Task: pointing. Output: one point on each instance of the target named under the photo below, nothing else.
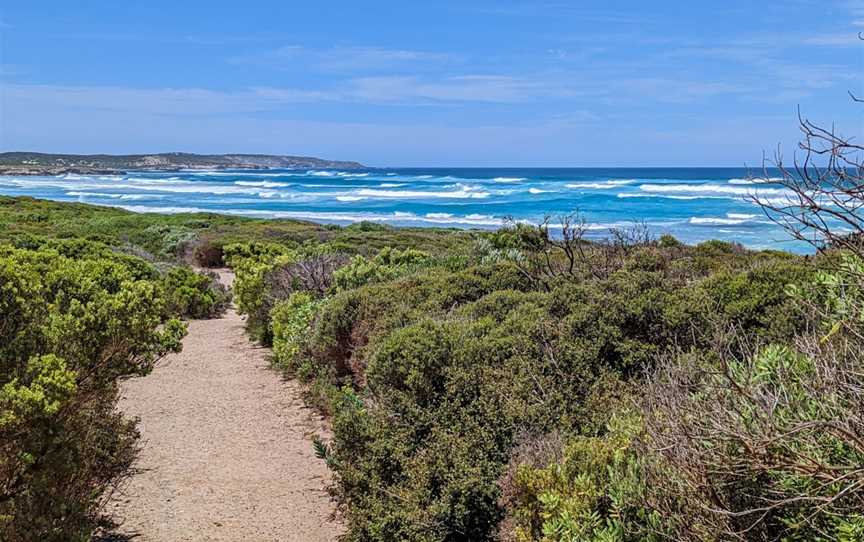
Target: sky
(431, 83)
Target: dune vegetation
(523, 388)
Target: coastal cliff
(34, 163)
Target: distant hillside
(35, 163)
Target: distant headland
(36, 163)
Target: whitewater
(693, 204)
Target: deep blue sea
(691, 204)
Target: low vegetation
(530, 387)
(76, 319)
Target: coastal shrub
(353, 318)
(388, 264)
(454, 354)
(290, 320)
(765, 443)
(757, 300)
(258, 251)
(766, 447)
(517, 236)
(487, 253)
(433, 475)
(251, 263)
(366, 225)
(669, 241)
(72, 326)
(312, 271)
(86, 249)
(463, 382)
(191, 294)
(593, 490)
(166, 241)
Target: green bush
(194, 295)
(72, 326)
(669, 241)
(757, 299)
(290, 320)
(166, 241)
(465, 359)
(250, 289)
(388, 264)
(594, 491)
(259, 251)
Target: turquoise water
(691, 204)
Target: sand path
(227, 452)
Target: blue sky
(450, 83)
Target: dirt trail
(227, 452)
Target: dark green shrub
(757, 300)
(71, 327)
(191, 294)
(669, 241)
(365, 226)
(261, 252)
(290, 320)
(167, 241)
(388, 264)
(591, 488)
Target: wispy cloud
(156, 101)
(351, 59)
(545, 9)
(569, 91)
(200, 101)
(464, 88)
(844, 39)
(856, 10)
(173, 39)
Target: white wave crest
(731, 219)
(78, 194)
(756, 180)
(713, 221)
(685, 198)
(711, 189)
(139, 196)
(262, 184)
(509, 179)
(165, 210)
(244, 173)
(461, 192)
(602, 185)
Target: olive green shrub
(76, 318)
(593, 491)
(192, 294)
(290, 320)
(388, 264)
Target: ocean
(693, 204)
